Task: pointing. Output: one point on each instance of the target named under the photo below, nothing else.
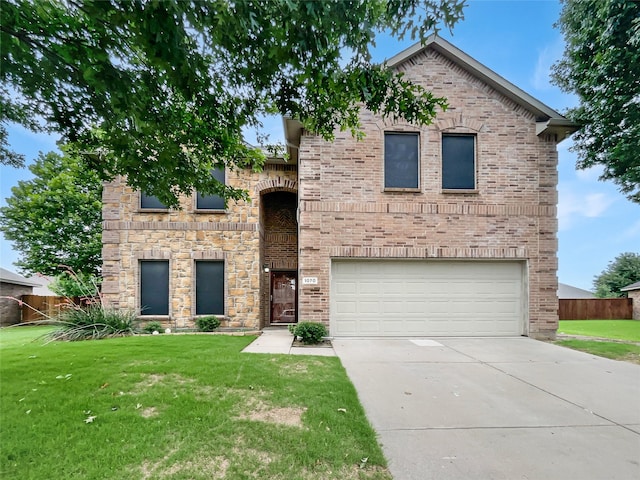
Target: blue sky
(517, 40)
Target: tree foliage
(601, 65)
(622, 271)
(70, 284)
(160, 91)
(54, 219)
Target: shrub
(207, 324)
(152, 327)
(310, 332)
(93, 322)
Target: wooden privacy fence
(595, 308)
(38, 307)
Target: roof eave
(561, 127)
(292, 134)
(632, 287)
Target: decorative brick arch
(400, 125)
(459, 121)
(277, 184)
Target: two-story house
(448, 229)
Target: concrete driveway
(497, 408)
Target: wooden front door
(284, 294)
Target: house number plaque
(309, 280)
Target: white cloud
(591, 174)
(573, 205)
(546, 58)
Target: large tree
(54, 219)
(601, 65)
(622, 271)
(160, 91)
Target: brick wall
(280, 240)
(10, 311)
(345, 212)
(280, 230)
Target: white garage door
(427, 298)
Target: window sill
(209, 210)
(460, 191)
(401, 190)
(154, 317)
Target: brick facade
(333, 205)
(345, 212)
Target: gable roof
(568, 291)
(9, 277)
(548, 121)
(633, 286)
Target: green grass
(177, 407)
(614, 329)
(614, 350)
(623, 334)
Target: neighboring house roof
(9, 277)
(633, 286)
(567, 291)
(43, 286)
(548, 120)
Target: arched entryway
(279, 247)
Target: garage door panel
(418, 307)
(369, 308)
(413, 287)
(427, 298)
(347, 307)
(346, 287)
(392, 306)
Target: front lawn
(177, 407)
(627, 352)
(624, 335)
(614, 329)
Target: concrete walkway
(279, 340)
(497, 408)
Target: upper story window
(150, 202)
(212, 202)
(401, 161)
(458, 162)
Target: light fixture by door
(265, 268)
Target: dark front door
(283, 297)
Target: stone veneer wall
(345, 212)
(184, 236)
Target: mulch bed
(326, 343)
